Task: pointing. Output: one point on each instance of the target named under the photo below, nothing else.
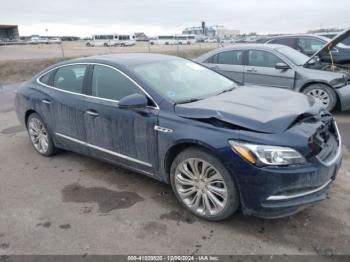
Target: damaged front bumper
(273, 191)
(277, 192)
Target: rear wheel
(203, 185)
(324, 94)
(39, 135)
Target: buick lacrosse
(222, 147)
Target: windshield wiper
(188, 101)
(225, 91)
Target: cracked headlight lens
(267, 155)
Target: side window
(111, 84)
(230, 57)
(227, 58)
(70, 78)
(285, 41)
(262, 59)
(309, 44)
(209, 60)
(45, 79)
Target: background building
(214, 31)
(9, 32)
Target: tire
(88, 44)
(324, 93)
(122, 45)
(105, 45)
(36, 125)
(188, 193)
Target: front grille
(324, 143)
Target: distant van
(173, 40)
(112, 40)
(185, 39)
(124, 40)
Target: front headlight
(267, 155)
(338, 82)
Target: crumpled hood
(261, 109)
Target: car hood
(332, 43)
(259, 109)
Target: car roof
(297, 35)
(249, 46)
(125, 59)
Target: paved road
(71, 204)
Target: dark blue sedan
(270, 152)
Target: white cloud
(81, 17)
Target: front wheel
(203, 185)
(39, 135)
(324, 94)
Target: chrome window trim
(95, 97)
(104, 150)
(286, 197)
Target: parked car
(227, 41)
(280, 66)
(211, 40)
(270, 152)
(54, 40)
(311, 44)
(331, 35)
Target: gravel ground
(71, 204)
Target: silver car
(281, 66)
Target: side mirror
(282, 66)
(135, 101)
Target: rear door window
(70, 78)
(234, 57)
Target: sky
(84, 18)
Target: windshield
(327, 39)
(183, 81)
(295, 56)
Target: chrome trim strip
(336, 157)
(104, 150)
(163, 129)
(99, 98)
(285, 197)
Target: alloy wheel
(321, 95)
(201, 187)
(38, 135)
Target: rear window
(45, 79)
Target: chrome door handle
(92, 113)
(45, 101)
(251, 70)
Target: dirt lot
(71, 204)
